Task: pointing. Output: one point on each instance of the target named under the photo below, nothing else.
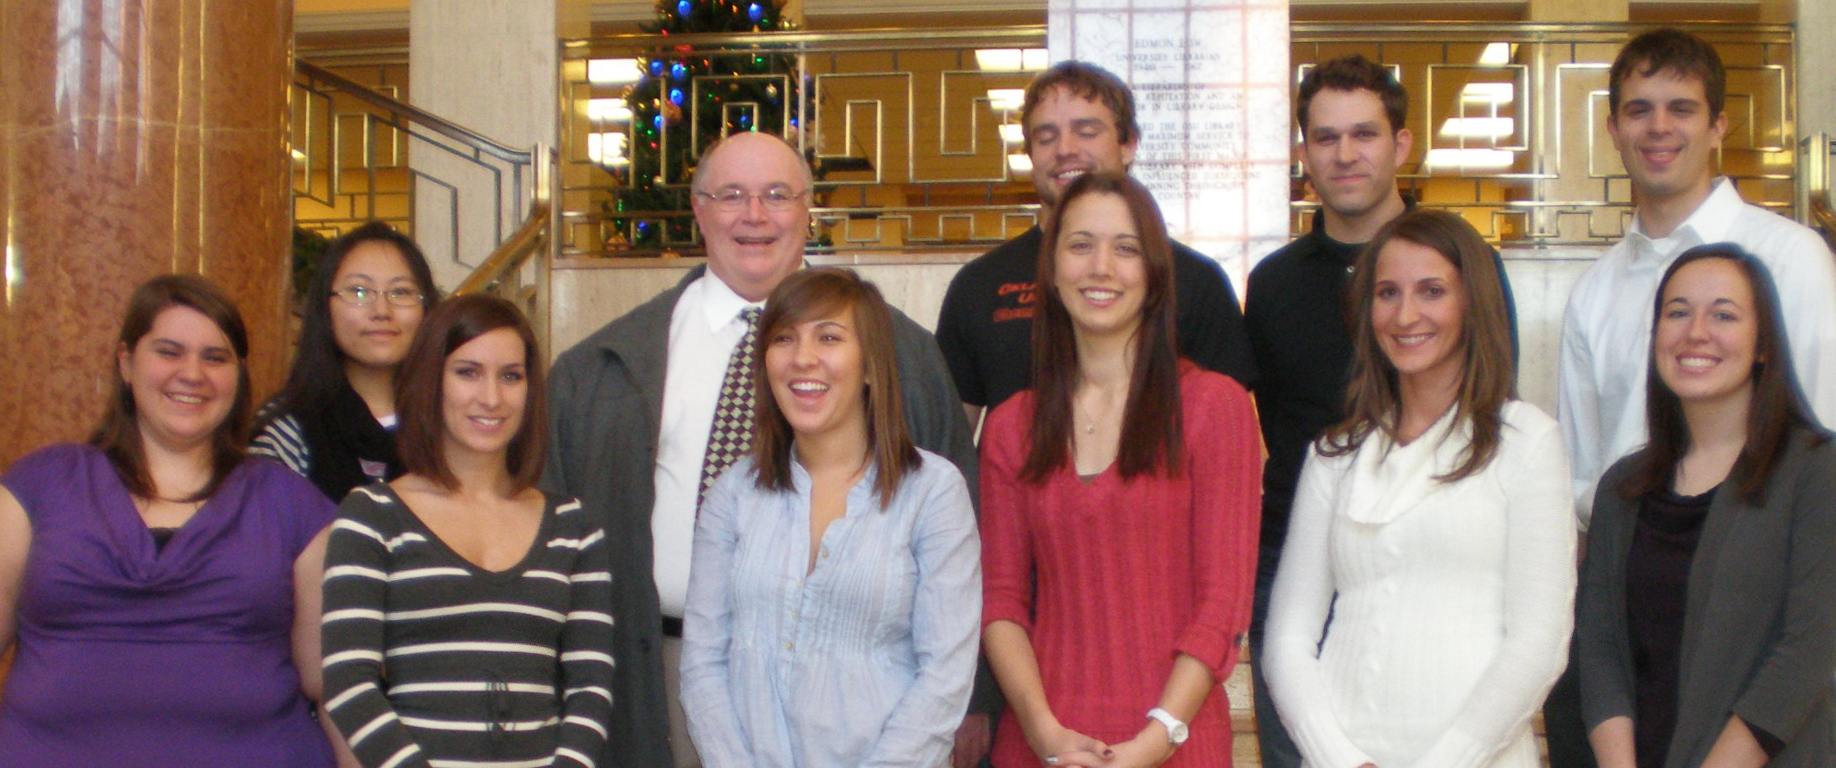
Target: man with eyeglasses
(1077, 118)
(641, 424)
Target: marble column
(137, 137)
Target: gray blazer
(605, 408)
(1759, 625)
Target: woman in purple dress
(148, 576)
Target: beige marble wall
(490, 66)
(588, 294)
(137, 137)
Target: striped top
(484, 669)
(282, 441)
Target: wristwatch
(1176, 730)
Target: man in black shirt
(1077, 118)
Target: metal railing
(1817, 167)
(907, 115)
(351, 166)
(351, 147)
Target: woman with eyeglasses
(334, 420)
(1706, 628)
(467, 614)
(160, 588)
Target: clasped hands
(1061, 747)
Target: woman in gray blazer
(1706, 620)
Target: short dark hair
(317, 375)
(1353, 73)
(815, 293)
(1680, 53)
(1778, 402)
(118, 434)
(420, 389)
(1488, 369)
(1085, 81)
(1152, 430)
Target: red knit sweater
(1130, 573)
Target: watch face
(1178, 734)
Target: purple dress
(133, 656)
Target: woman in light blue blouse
(835, 589)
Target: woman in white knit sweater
(1437, 517)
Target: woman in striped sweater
(467, 613)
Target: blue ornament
(675, 96)
(658, 122)
(683, 7)
(678, 71)
(644, 226)
(656, 68)
(745, 121)
(756, 13)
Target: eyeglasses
(364, 296)
(776, 198)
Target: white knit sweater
(1454, 600)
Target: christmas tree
(687, 99)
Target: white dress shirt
(703, 331)
(1606, 331)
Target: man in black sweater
(1077, 118)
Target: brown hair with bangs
(1778, 402)
(1488, 373)
(813, 294)
(118, 435)
(1151, 424)
(420, 389)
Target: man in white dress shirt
(1667, 121)
(1666, 93)
(633, 405)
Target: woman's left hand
(1148, 749)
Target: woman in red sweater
(1119, 510)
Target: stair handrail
(431, 121)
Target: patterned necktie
(731, 435)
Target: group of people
(749, 524)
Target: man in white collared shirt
(1666, 92)
(1667, 121)
(632, 407)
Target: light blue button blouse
(866, 660)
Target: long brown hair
(815, 293)
(1151, 426)
(118, 434)
(1488, 374)
(1777, 405)
(420, 390)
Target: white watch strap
(1176, 729)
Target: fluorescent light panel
(606, 148)
(608, 111)
(613, 71)
(1488, 93)
(1010, 59)
(1019, 164)
(1478, 127)
(1495, 54)
(1013, 133)
(1451, 159)
(1009, 99)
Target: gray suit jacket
(1759, 626)
(605, 408)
